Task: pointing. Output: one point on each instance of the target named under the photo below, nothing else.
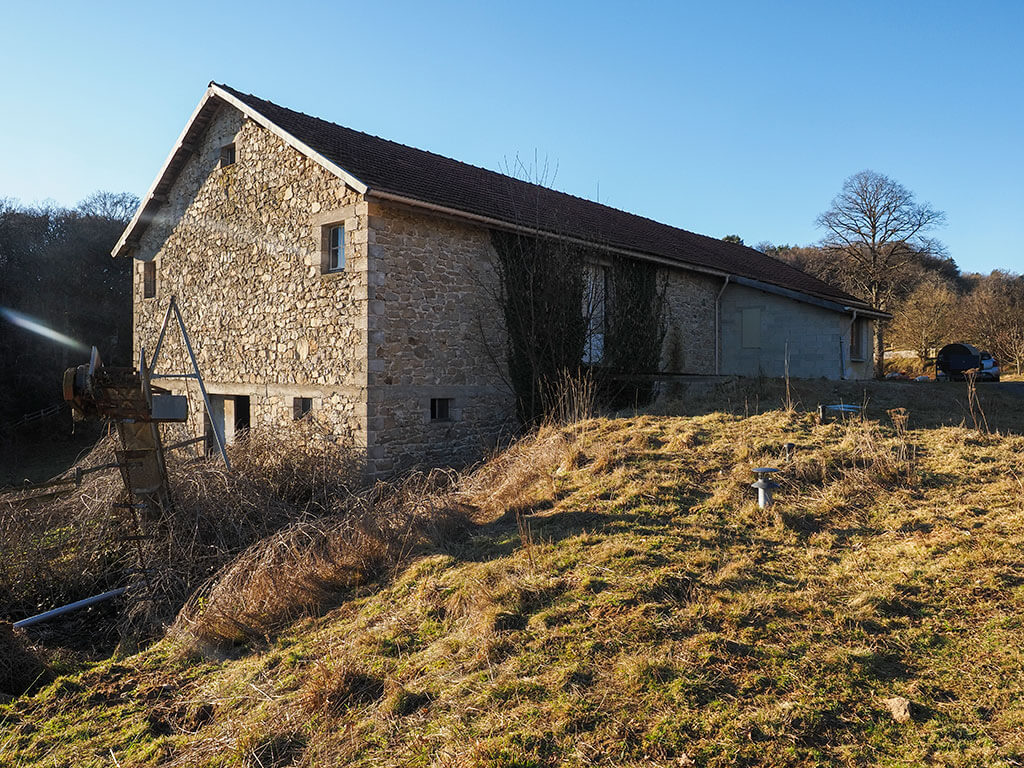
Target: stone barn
(327, 271)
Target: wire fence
(28, 418)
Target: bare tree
(927, 317)
(876, 232)
(992, 316)
(115, 206)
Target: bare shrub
(56, 548)
(20, 667)
(311, 563)
(77, 543)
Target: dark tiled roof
(387, 166)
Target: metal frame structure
(172, 308)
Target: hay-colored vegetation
(620, 600)
(59, 548)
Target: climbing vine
(570, 309)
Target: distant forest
(56, 270)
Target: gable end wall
(240, 248)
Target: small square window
(301, 406)
(440, 409)
(334, 248)
(227, 155)
(148, 279)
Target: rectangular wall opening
(440, 409)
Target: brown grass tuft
(20, 667)
(333, 686)
(311, 563)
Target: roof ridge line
(468, 165)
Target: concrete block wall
(816, 337)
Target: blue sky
(729, 117)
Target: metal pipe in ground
(70, 607)
(764, 485)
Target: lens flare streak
(30, 324)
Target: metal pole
(202, 387)
(163, 330)
(70, 607)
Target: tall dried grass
(310, 563)
(77, 543)
(569, 398)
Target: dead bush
(20, 667)
(309, 564)
(65, 547)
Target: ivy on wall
(556, 319)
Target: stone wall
(414, 317)
(240, 247)
(435, 331)
(814, 336)
(689, 345)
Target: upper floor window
(227, 155)
(148, 279)
(595, 292)
(334, 248)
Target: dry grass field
(607, 593)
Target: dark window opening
(440, 409)
(227, 155)
(301, 406)
(336, 249)
(241, 415)
(857, 339)
(148, 279)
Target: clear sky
(721, 117)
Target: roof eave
(832, 303)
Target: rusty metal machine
(127, 397)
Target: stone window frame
(149, 279)
(345, 218)
(228, 155)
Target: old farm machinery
(130, 401)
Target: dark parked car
(955, 359)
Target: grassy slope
(657, 618)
